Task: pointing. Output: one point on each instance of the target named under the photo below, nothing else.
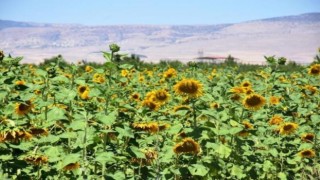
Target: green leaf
(78, 125)
(107, 56)
(223, 151)
(198, 170)
(137, 152)
(70, 158)
(237, 171)
(56, 114)
(127, 132)
(282, 176)
(109, 119)
(41, 72)
(126, 66)
(6, 157)
(105, 157)
(315, 118)
(267, 166)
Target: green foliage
(58, 122)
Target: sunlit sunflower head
(247, 125)
(188, 145)
(288, 128)
(274, 100)
(308, 137)
(190, 87)
(85, 95)
(311, 89)
(23, 108)
(214, 105)
(246, 84)
(20, 82)
(135, 96)
(237, 90)
(88, 69)
(161, 96)
(314, 70)
(98, 78)
(276, 120)
(124, 73)
(171, 72)
(82, 89)
(307, 153)
(254, 101)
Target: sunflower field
(117, 121)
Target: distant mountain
(295, 37)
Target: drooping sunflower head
(71, 166)
(276, 120)
(23, 108)
(188, 145)
(152, 105)
(254, 101)
(36, 160)
(308, 137)
(237, 90)
(307, 153)
(190, 87)
(314, 70)
(288, 128)
(274, 100)
(311, 89)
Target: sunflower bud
(114, 48)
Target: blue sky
(106, 12)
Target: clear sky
(106, 12)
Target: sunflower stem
(194, 114)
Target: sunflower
(161, 96)
(188, 145)
(152, 105)
(288, 128)
(308, 137)
(246, 84)
(274, 100)
(36, 160)
(83, 92)
(254, 102)
(171, 72)
(98, 78)
(247, 126)
(237, 90)
(15, 136)
(39, 131)
(72, 166)
(214, 105)
(82, 89)
(88, 69)
(151, 127)
(150, 156)
(311, 89)
(135, 96)
(20, 82)
(314, 69)
(276, 120)
(85, 95)
(124, 73)
(307, 153)
(182, 107)
(23, 108)
(235, 97)
(190, 87)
